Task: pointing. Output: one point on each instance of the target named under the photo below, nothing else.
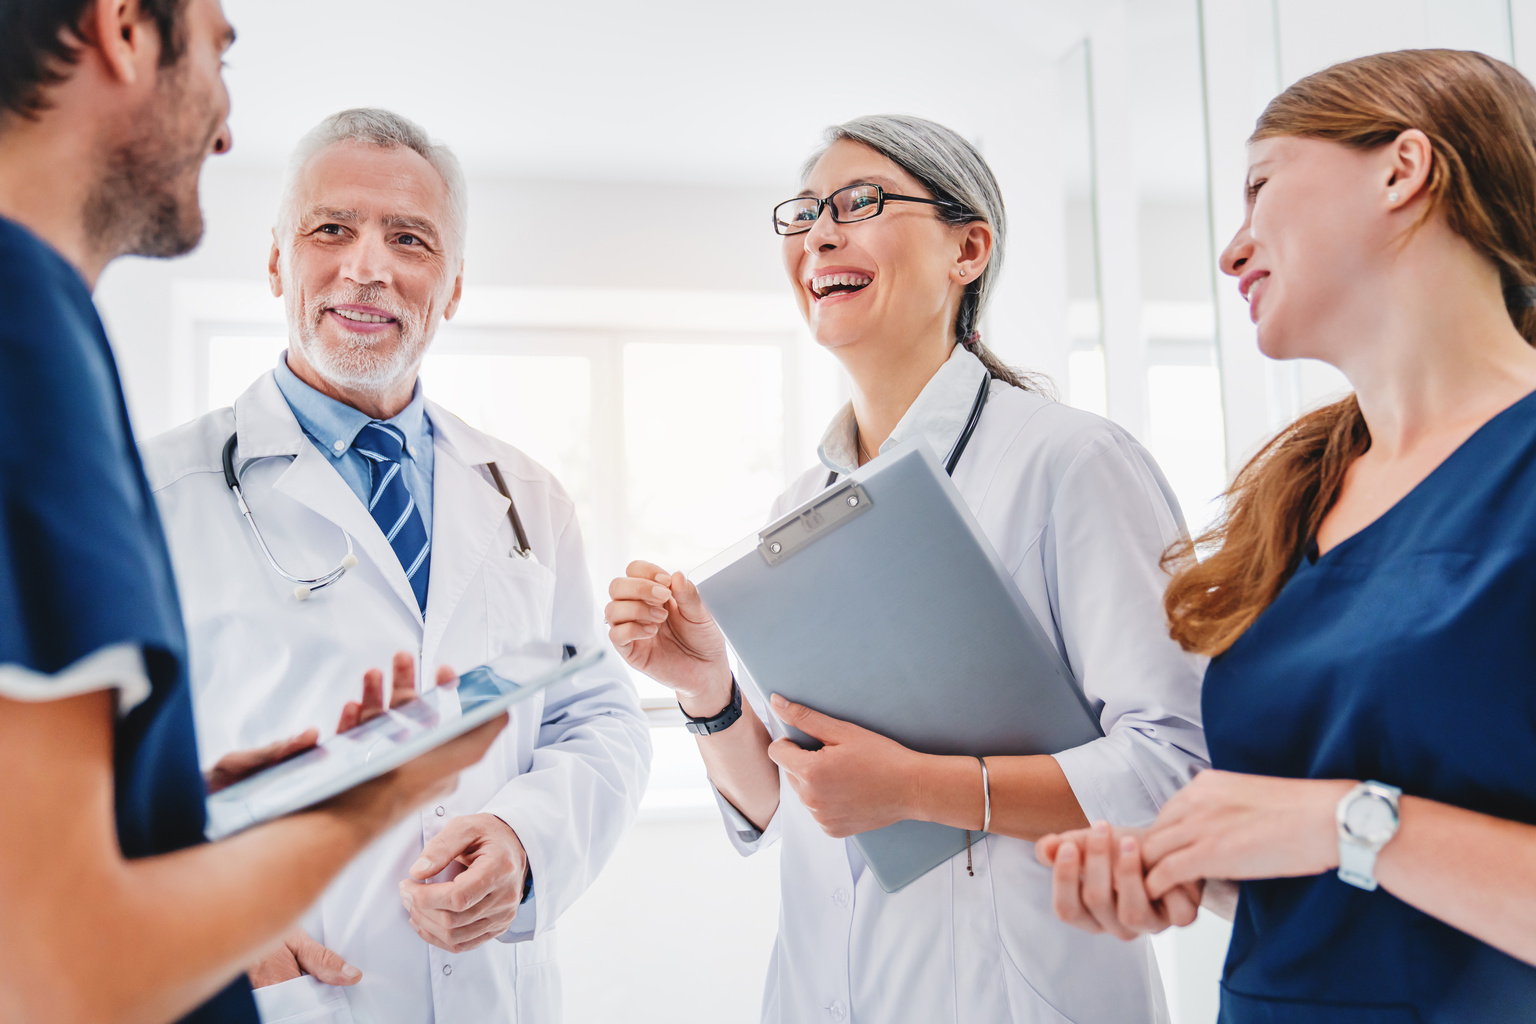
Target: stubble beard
(146, 202)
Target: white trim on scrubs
(117, 667)
(1081, 514)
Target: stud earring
(1391, 197)
(962, 271)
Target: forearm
(1030, 795)
(148, 940)
(738, 765)
(1473, 871)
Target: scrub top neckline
(1311, 555)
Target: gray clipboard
(881, 602)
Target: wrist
(710, 699)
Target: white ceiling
(675, 90)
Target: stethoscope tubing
(302, 587)
(963, 440)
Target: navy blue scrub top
(1406, 654)
(83, 562)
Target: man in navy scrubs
(109, 907)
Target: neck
(1443, 359)
(46, 175)
(886, 379)
(383, 404)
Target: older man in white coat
(464, 548)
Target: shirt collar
(335, 424)
(939, 414)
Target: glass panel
(704, 446)
(1085, 366)
(541, 404)
(234, 362)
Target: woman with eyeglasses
(892, 249)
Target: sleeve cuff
(1106, 785)
(746, 837)
(119, 667)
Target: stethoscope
(963, 440)
(303, 588)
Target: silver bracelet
(986, 790)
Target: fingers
(1135, 910)
(323, 964)
(372, 704)
(1066, 889)
(813, 723)
(790, 756)
(1181, 905)
(461, 896)
(445, 675)
(403, 679)
(1046, 848)
(1177, 868)
(648, 571)
(456, 837)
(1098, 891)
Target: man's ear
(458, 293)
(274, 268)
(127, 42)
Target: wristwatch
(716, 723)
(1367, 820)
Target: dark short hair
(40, 40)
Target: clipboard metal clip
(812, 521)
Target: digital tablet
(398, 735)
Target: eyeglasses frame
(881, 195)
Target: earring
(1391, 197)
(962, 271)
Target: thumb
(323, 964)
(813, 723)
(456, 837)
(689, 603)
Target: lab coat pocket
(303, 1000)
(520, 602)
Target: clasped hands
(1222, 828)
(487, 862)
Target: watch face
(1370, 819)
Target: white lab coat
(1080, 513)
(568, 772)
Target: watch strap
(719, 722)
(1357, 859)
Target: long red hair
(1480, 117)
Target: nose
(1237, 253)
(826, 234)
(223, 140)
(367, 260)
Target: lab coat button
(840, 897)
(838, 1011)
(448, 969)
(441, 811)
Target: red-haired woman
(1371, 609)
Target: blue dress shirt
(331, 427)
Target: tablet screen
(393, 738)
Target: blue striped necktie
(391, 505)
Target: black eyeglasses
(849, 204)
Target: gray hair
(386, 129)
(951, 169)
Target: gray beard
(357, 364)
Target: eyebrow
(406, 221)
(881, 180)
(412, 223)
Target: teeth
(362, 318)
(821, 285)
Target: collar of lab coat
(938, 414)
(471, 509)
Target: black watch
(719, 722)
